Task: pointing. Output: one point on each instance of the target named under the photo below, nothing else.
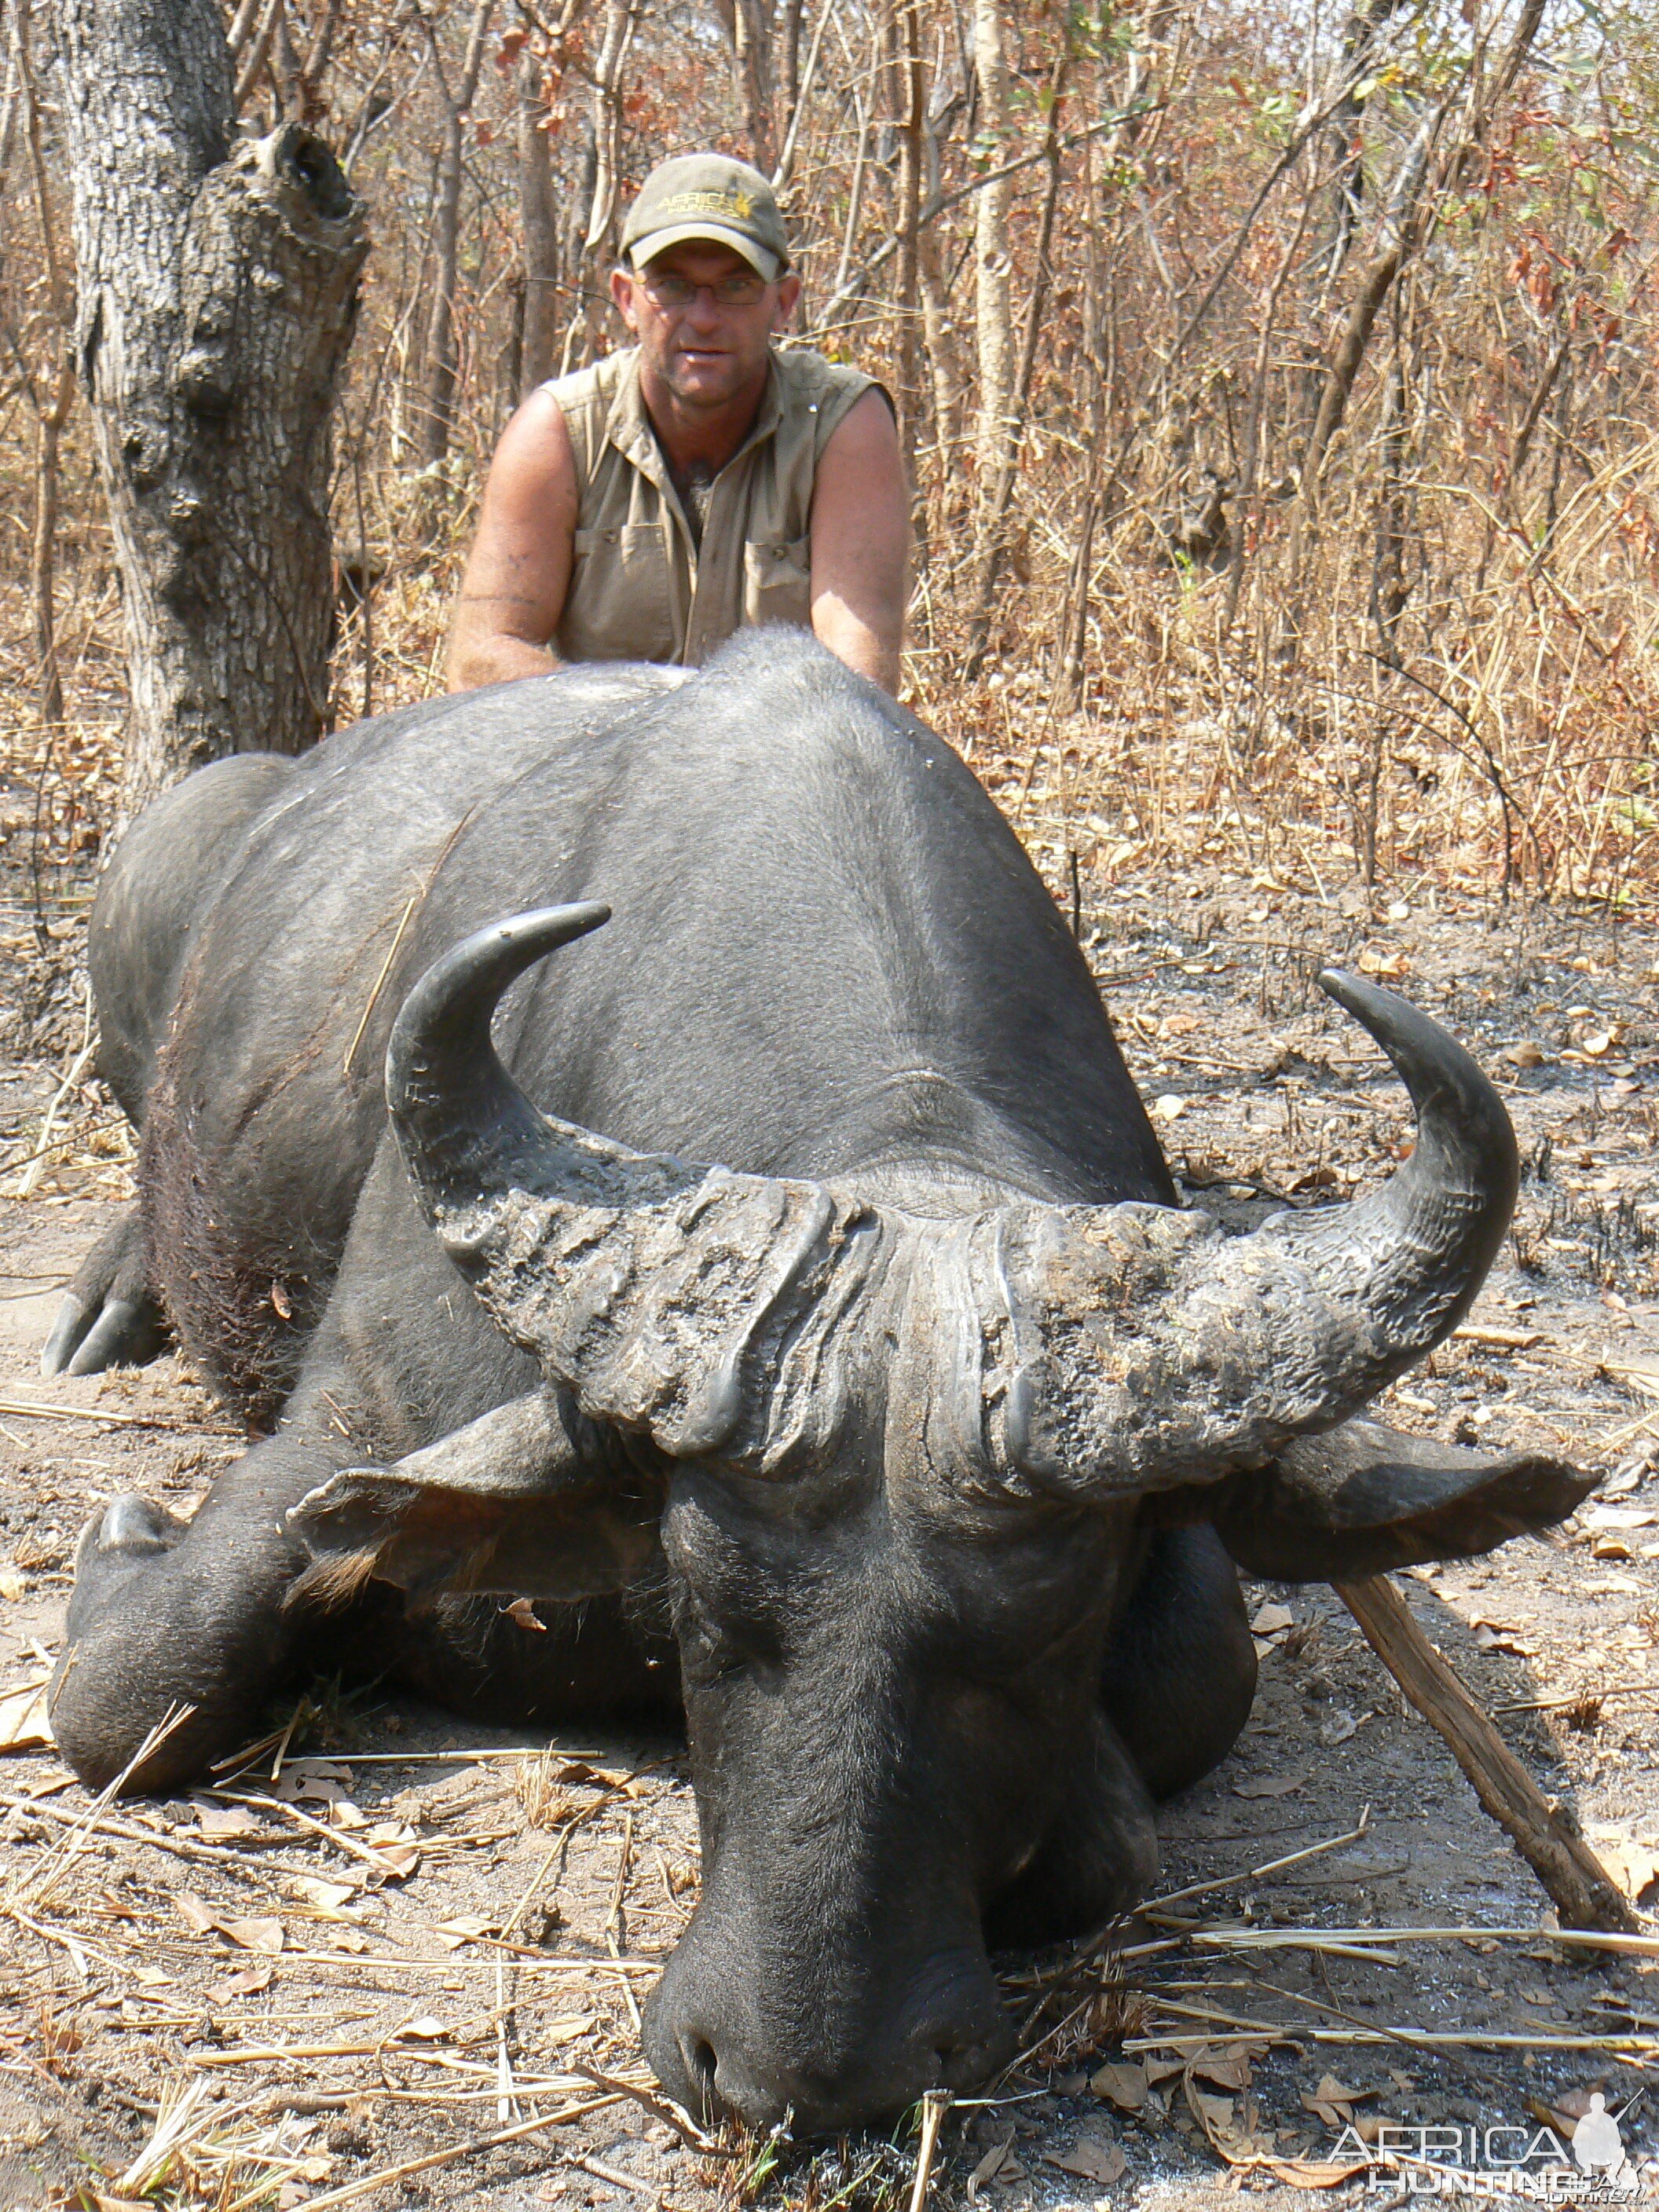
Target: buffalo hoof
(113, 1723)
(108, 1317)
(113, 1548)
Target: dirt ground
(419, 1934)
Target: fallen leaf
(423, 2030)
(466, 1928)
(259, 1933)
(1381, 960)
(345, 1939)
(1618, 1516)
(254, 1935)
(394, 1845)
(250, 1982)
(1225, 2065)
(1319, 1178)
(1528, 1054)
(1123, 2085)
(565, 2031)
(987, 2169)
(1339, 1726)
(1230, 2130)
(314, 1781)
(1170, 1107)
(194, 1913)
(1334, 2103)
(1092, 2157)
(1272, 1785)
(1570, 2105)
(24, 1725)
(389, 1832)
(577, 1773)
(1314, 2172)
(1159, 2069)
(1273, 1620)
(220, 1820)
(12, 1585)
(1333, 2092)
(1500, 1635)
(1633, 1866)
(327, 1897)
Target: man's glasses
(742, 289)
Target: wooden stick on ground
(934, 2105)
(1580, 1887)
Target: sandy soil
(408, 1944)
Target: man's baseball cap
(708, 195)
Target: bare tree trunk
(789, 66)
(440, 364)
(747, 26)
(944, 357)
(50, 412)
(1399, 235)
(252, 54)
(1346, 198)
(994, 513)
(538, 352)
(217, 294)
(909, 109)
(312, 105)
(600, 245)
(992, 264)
(286, 69)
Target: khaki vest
(640, 589)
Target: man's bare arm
(861, 543)
(519, 571)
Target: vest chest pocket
(777, 581)
(620, 605)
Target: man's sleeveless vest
(640, 589)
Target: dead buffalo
(912, 1446)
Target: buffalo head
(905, 1462)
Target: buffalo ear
(505, 1504)
(1363, 1498)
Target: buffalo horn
(1417, 1250)
(468, 1132)
(1145, 1343)
(692, 1305)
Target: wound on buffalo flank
(779, 1283)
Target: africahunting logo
(1581, 2163)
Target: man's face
(705, 349)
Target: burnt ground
(405, 1944)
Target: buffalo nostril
(701, 2065)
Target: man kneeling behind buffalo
(646, 507)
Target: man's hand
(518, 574)
(860, 542)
